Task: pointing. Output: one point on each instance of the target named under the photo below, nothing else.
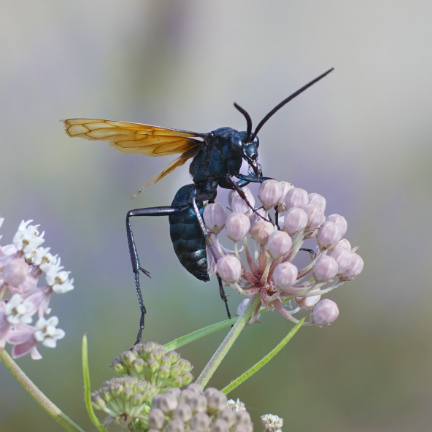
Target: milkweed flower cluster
(266, 245)
(154, 393)
(22, 263)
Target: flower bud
(270, 193)
(200, 422)
(285, 186)
(229, 268)
(318, 200)
(237, 226)
(329, 235)
(325, 268)
(296, 197)
(342, 257)
(238, 204)
(345, 244)
(308, 302)
(156, 419)
(315, 215)
(355, 267)
(295, 220)
(324, 312)
(340, 221)
(214, 217)
(285, 275)
(261, 231)
(216, 400)
(15, 273)
(279, 244)
(183, 412)
(256, 216)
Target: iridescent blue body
(186, 234)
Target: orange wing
(134, 138)
(139, 138)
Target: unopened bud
(270, 193)
(308, 302)
(237, 226)
(15, 273)
(329, 235)
(214, 217)
(325, 268)
(238, 204)
(315, 215)
(279, 244)
(200, 422)
(340, 221)
(285, 275)
(318, 200)
(261, 231)
(295, 220)
(229, 268)
(324, 312)
(296, 197)
(342, 257)
(355, 267)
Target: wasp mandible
(216, 156)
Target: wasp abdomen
(186, 235)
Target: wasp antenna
(248, 122)
(285, 101)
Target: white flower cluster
(264, 261)
(22, 263)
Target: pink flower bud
(315, 216)
(255, 218)
(238, 205)
(270, 193)
(237, 226)
(295, 220)
(261, 231)
(229, 268)
(308, 302)
(325, 268)
(285, 188)
(279, 244)
(329, 235)
(318, 200)
(15, 273)
(345, 244)
(214, 217)
(285, 275)
(340, 221)
(355, 267)
(324, 312)
(296, 197)
(342, 257)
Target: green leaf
(257, 366)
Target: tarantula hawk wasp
(216, 156)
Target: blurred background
(361, 137)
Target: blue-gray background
(361, 137)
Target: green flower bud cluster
(194, 409)
(125, 398)
(152, 363)
(147, 370)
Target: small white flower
(18, 310)
(47, 332)
(28, 238)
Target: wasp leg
(209, 242)
(136, 266)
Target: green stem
(227, 343)
(60, 417)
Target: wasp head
(242, 145)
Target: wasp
(217, 157)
